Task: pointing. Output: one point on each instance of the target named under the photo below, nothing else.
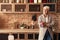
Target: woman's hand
(43, 24)
(47, 24)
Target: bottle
(31, 1)
(22, 1)
(25, 1)
(10, 1)
(44, 1)
(7, 1)
(17, 1)
(39, 1)
(4, 1)
(10, 37)
(35, 1)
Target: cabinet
(19, 34)
(26, 6)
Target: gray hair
(46, 7)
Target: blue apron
(47, 36)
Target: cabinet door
(6, 8)
(52, 7)
(20, 8)
(36, 36)
(3, 36)
(34, 8)
(22, 36)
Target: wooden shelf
(7, 12)
(48, 3)
(6, 3)
(23, 12)
(34, 3)
(20, 3)
(19, 12)
(34, 12)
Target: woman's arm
(40, 21)
(51, 23)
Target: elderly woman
(45, 22)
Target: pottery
(21, 27)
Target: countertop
(24, 31)
(19, 30)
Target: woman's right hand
(43, 24)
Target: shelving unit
(25, 6)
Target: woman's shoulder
(40, 16)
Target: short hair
(46, 7)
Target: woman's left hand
(47, 24)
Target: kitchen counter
(19, 30)
(23, 30)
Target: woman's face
(45, 11)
